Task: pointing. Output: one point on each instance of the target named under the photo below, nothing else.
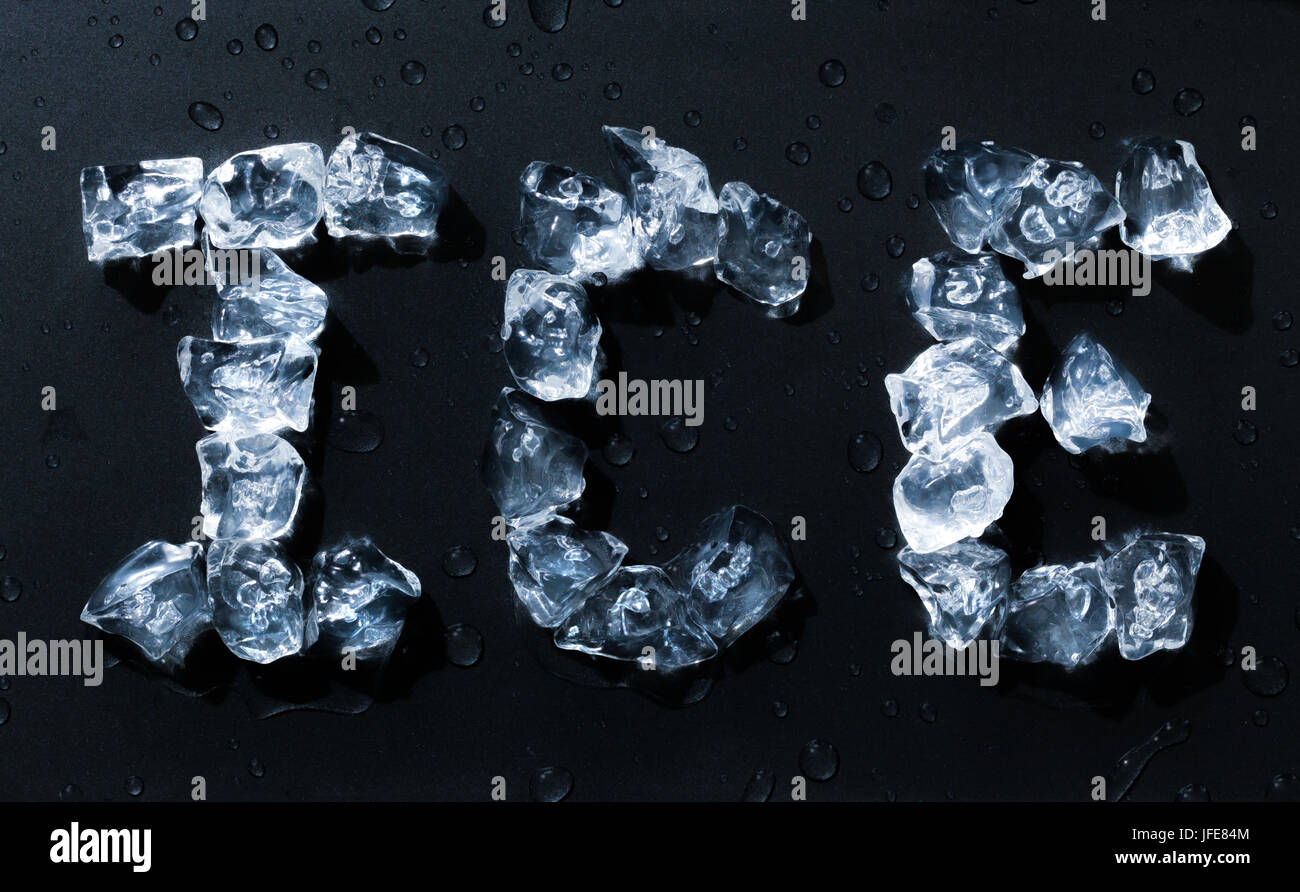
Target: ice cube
(556, 564)
(963, 588)
(135, 210)
(252, 484)
(575, 225)
(958, 296)
(530, 466)
(1058, 614)
(265, 198)
(376, 188)
(764, 248)
(551, 335)
(1090, 399)
(263, 385)
(1172, 214)
(956, 497)
(258, 607)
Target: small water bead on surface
(733, 573)
(963, 588)
(156, 598)
(1097, 130)
(1283, 320)
(361, 597)
(1245, 432)
(574, 225)
(187, 29)
(1151, 581)
(551, 784)
(1058, 614)
(763, 247)
(832, 73)
(798, 153)
(759, 787)
(1268, 678)
(618, 449)
(11, 589)
(1188, 101)
(675, 208)
(679, 436)
(1143, 81)
(263, 385)
(530, 466)
(875, 181)
(1172, 214)
(376, 188)
(454, 137)
(1052, 210)
(258, 606)
(135, 210)
(462, 645)
(636, 608)
(252, 485)
(459, 561)
(277, 301)
(205, 115)
(1192, 793)
(551, 335)
(556, 564)
(955, 296)
(1090, 400)
(956, 497)
(865, 452)
(819, 760)
(270, 197)
(952, 392)
(964, 184)
(317, 79)
(1268, 210)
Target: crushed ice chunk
(135, 210)
(575, 225)
(957, 296)
(376, 188)
(963, 588)
(530, 466)
(1172, 214)
(556, 564)
(551, 335)
(251, 485)
(1090, 399)
(258, 607)
(956, 497)
(764, 248)
(361, 597)
(265, 198)
(1151, 581)
(275, 301)
(1058, 614)
(963, 185)
(262, 385)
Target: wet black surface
(115, 465)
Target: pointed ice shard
(734, 572)
(964, 184)
(1059, 615)
(551, 335)
(259, 386)
(637, 615)
(963, 588)
(156, 598)
(1053, 210)
(952, 392)
(1172, 214)
(556, 564)
(361, 597)
(942, 502)
(265, 198)
(276, 301)
(134, 210)
(958, 296)
(1151, 581)
(258, 607)
(574, 225)
(675, 207)
(251, 486)
(376, 188)
(1090, 399)
(763, 248)
(531, 467)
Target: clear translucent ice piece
(764, 247)
(942, 502)
(1053, 210)
(1151, 581)
(964, 184)
(638, 607)
(376, 188)
(1058, 615)
(258, 607)
(963, 588)
(156, 598)
(1172, 214)
(1090, 399)
(734, 572)
(531, 468)
(265, 198)
(361, 597)
(675, 206)
(959, 296)
(276, 301)
(134, 210)
(952, 392)
(551, 335)
(575, 225)
(259, 386)
(251, 486)
(556, 564)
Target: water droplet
(187, 29)
(454, 137)
(889, 708)
(1143, 81)
(894, 246)
(678, 436)
(832, 73)
(11, 588)
(845, 204)
(51, 461)
(287, 62)
(419, 357)
(1260, 718)
(1289, 358)
(313, 46)
(115, 41)
(70, 793)
(459, 561)
(618, 450)
(870, 282)
(740, 144)
(562, 71)
(865, 451)
(1097, 130)
(818, 760)
(413, 72)
(356, 432)
(270, 131)
(780, 708)
(760, 786)
(377, 5)
(549, 15)
(613, 90)
(813, 122)
(463, 644)
(1268, 210)
(874, 181)
(1268, 679)
(1188, 102)
(886, 113)
(317, 79)
(1284, 788)
(1283, 320)
(550, 784)
(206, 115)
(477, 104)
(886, 538)
(1193, 793)
(234, 46)
(1115, 306)
(1245, 432)
(928, 713)
(256, 768)
(797, 153)
(265, 37)
(134, 786)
